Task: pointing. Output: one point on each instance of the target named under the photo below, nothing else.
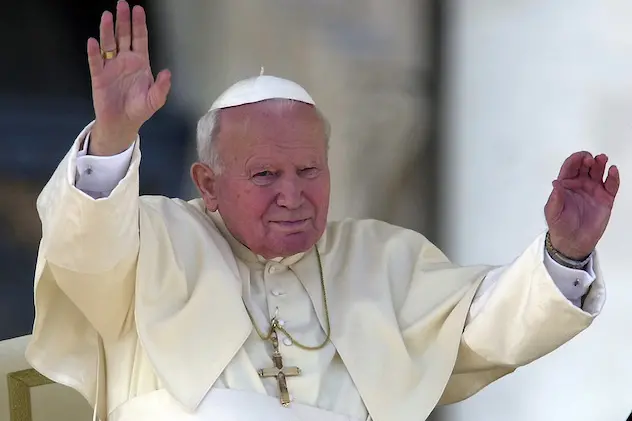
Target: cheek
(318, 195)
(247, 200)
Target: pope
(246, 303)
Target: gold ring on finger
(108, 55)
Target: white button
(277, 292)
(89, 170)
(576, 283)
(272, 269)
(287, 342)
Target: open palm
(579, 207)
(124, 91)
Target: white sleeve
(572, 283)
(97, 176)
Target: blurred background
(449, 117)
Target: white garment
(327, 383)
(98, 176)
(220, 405)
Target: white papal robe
(140, 306)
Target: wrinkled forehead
(278, 122)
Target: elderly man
(246, 304)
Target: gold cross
(279, 372)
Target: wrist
(571, 261)
(108, 142)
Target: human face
(273, 188)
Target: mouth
(290, 225)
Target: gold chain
(274, 323)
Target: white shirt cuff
(572, 283)
(97, 176)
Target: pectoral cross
(278, 371)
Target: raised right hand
(124, 91)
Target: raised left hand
(579, 207)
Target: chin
(291, 244)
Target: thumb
(555, 204)
(157, 94)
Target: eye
(309, 172)
(263, 177)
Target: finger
(140, 41)
(612, 181)
(555, 204)
(106, 32)
(598, 168)
(157, 95)
(572, 164)
(587, 163)
(123, 26)
(95, 61)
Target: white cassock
(141, 308)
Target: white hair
(208, 129)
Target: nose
(290, 193)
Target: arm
(577, 214)
(520, 313)
(86, 266)
(90, 232)
(538, 313)
(89, 245)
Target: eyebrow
(259, 167)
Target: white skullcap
(261, 88)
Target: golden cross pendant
(279, 372)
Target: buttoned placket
(276, 282)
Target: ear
(206, 183)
